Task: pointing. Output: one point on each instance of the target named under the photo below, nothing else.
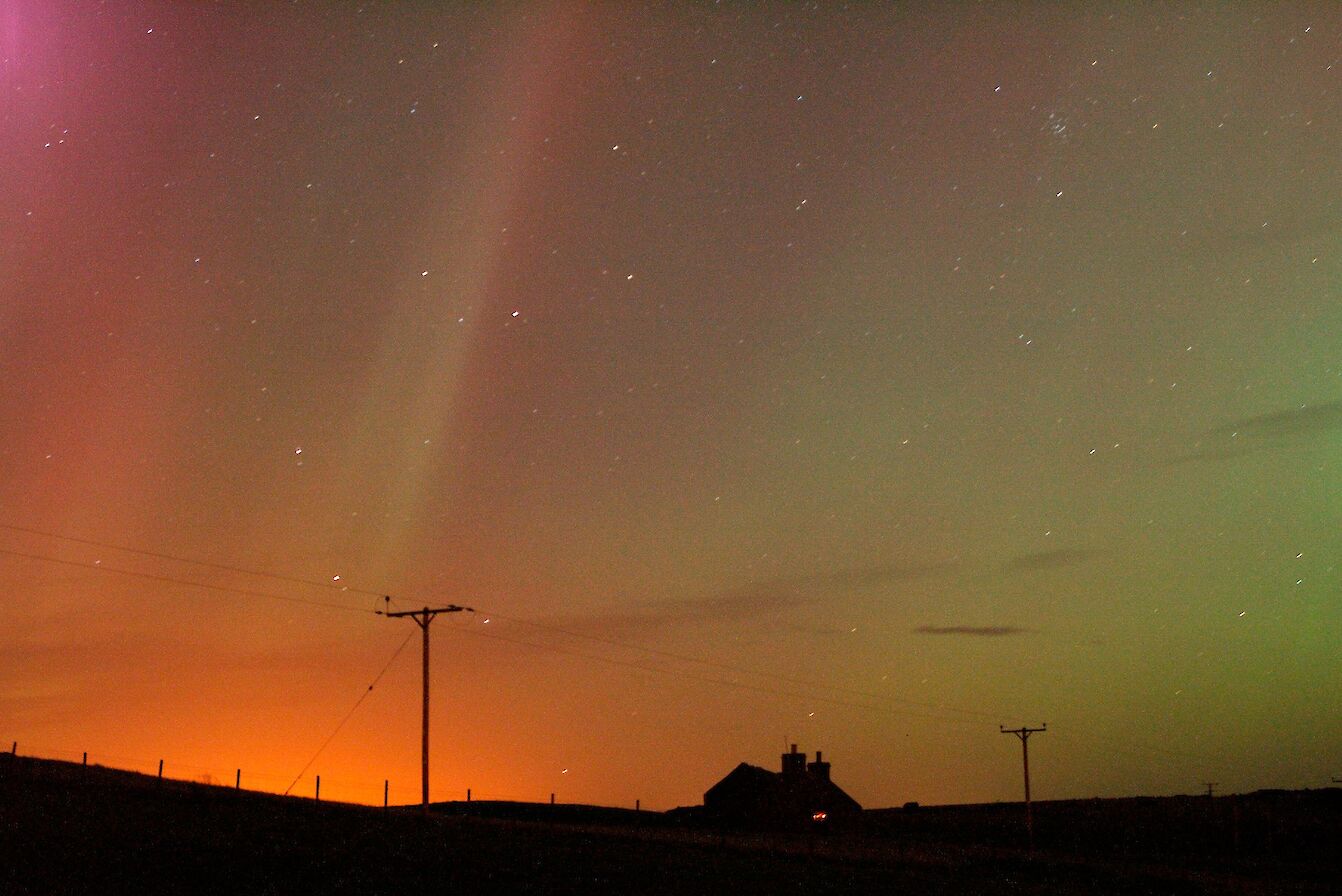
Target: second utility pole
(422, 619)
(1024, 735)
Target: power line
(728, 667)
(362, 697)
(596, 639)
(868, 695)
(536, 625)
(206, 563)
(722, 682)
(1096, 741)
(99, 567)
(651, 651)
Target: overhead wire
(100, 567)
(1165, 753)
(742, 670)
(357, 703)
(925, 710)
(651, 651)
(225, 567)
(554, 629)
(721, 682)
(879, 707)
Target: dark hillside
(69, 829)
(1266, 827)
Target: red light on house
(818, 816)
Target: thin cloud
(1299, 226)
(768, 597)
(977, 631)
(750, 601)
(1302, 420)
(881, 574)
(1213, 454)
(1054, 559)
(1296, 228)
(1262, 432)
(731, 606)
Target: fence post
(552, 799)
(160, 769)
(237, 781)
(319, 789)
(14, 750)
(386, 785)
(468, 794)
(86, 759)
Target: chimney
(794, 763)
(819, 769)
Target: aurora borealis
(863, 378)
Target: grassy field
(70, 829)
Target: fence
(314, 785)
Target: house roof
(744, 778)
(749, 789)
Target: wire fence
(360, 790)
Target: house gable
(796, 795)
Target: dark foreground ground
(69, 829)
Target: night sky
(861, 378)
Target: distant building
(802, 793)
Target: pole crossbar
(423, 618)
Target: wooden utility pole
(1024, 735)
(422, 619)
(1211, 787)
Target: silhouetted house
(802, 793)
